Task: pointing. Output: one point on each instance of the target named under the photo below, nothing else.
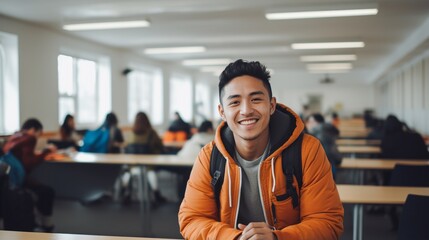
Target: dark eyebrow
(232, 96)
(251, 94)
(256, 93)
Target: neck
(252, 149)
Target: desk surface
(132, 159)
(359, 149)
(377, 164)
(358, 194)
(357, 142)
(12, 235)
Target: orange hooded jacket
(318, 216)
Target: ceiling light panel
(106, 25)
(329, 66)
(321, 14)
(328, 58)
(175, 50)
(206, 62)
(327, 45)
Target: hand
(256, 230)
(51, 147)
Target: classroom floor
(110, 218)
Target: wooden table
(360, 195)
(359, 165)
(358, 142)
(377, 164)
(12, 235)
(353, 150)
(141, 160)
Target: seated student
(179, 130)
(400, 142)
(193, 146)
(116, 138)
(145, 140)
(22, 144)
(327, 134)
(68, 134)
(335, 120)
(257, 199)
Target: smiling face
(246, 107)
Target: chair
(414, 219)
(410, 176)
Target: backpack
(16, 204)
(96, 141)
(291, 165)
(17, 172)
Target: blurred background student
(145, 140)
(327, 134)
(68, 134)
(193, 146)
(116, 140)
(22, 145)
(179, 130)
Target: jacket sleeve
(321, 210)
(198, 214)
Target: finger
(257, 225)
(241, 226)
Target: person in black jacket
(400, 142)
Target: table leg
(357, 221)
(145, 202)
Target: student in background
(145, 140)
(335, 120)
(400, 142)
(327, 134)
(179, 130)
(255, 200)
(22, 144)
(193, 146)
(116, 138)
(68, 131)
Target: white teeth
(247, 122)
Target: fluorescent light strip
(322, 14)
(172, 50)
(328, 71)
(206, 62)
(328, 58)
(327, 45)
(329, 66)
(106, 25)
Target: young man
(22, 145)
(253, 203)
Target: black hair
(318, 117)
(241, 68)
(67, 129)
(205, 126)
(111, 120)
(32, 123)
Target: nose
(246, 108)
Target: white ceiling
(238, 29)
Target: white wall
(354, 100)
(405, 93)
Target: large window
(181, 96)
(9, 88)
(81, 91)
(202, 102)
(145, 93)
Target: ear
(221, 112)
(273, 104)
